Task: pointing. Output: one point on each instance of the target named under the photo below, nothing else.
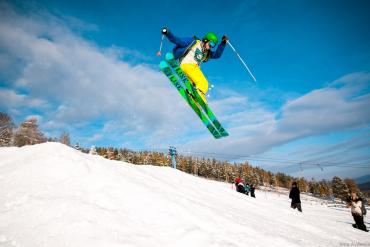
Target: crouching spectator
(358, 211)
(247, 189)
(295, 196)
(240, 187)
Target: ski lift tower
(173, 154)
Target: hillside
(365, 187)
(53, 195)
(362, 179)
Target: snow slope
(53, 195)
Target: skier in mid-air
(182, 68)
(192, 51)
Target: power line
(281, 160)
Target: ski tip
(163, 65)
(169, 56)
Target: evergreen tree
(340, 189)
(110, 154)
(52, 139)
(324, 188)
(313, 187)
(115, 154)
(283, 180)
(303, 185)
(273, 181)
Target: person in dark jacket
(294, 195)
(358, 211)
(252, 188)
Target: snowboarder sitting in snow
(191, 52)
(358, 211)
(237, 181)
(295, 196)
(240, 187)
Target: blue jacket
(183, 44)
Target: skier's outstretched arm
(220, 48)
(182, 42)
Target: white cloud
(325, 110)
(10, 99)
(82, 82)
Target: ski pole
(160, 47)
(241, 59)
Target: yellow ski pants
(196, 76)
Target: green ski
(166, 69)
(175, 66)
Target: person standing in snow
(247, 189)
(358, 211)
(295, 196)
(252, 189)
(192, 51)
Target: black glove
(164, 31)
(225, 39)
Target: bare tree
(28, 133)
(65, 139)
(6, 130)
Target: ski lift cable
(252, 157)
(265, 159)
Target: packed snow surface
(53, 195)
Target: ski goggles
(212, 44)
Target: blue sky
(90, 68)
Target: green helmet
(211, 37)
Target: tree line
(28, 133)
